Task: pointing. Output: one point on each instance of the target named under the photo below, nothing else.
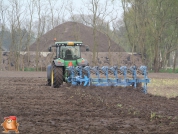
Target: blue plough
(83, 76)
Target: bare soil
(98, 110)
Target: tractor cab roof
(68, 43)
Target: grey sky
(117, 5)
(77, 6)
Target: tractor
(69, 67)
(68, 53)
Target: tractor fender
(49, 71)
(84, 63)
(58, 63)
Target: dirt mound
(100, 110)
(73, 31)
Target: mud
(86, 110)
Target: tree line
(152, 30)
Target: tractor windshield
(69, 52)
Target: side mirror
(49, 49)
(87, 49)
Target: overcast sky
(117, 5)
(78, 7)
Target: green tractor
(67, 54)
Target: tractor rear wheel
(56, 76)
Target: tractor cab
(69, 52)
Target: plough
(84, 76)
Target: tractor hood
(70, 63)
(66, 63)
(78, 62)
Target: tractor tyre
(57, 76)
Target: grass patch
(32, 69)
(163, 87)
(168, 70)
(119, 105)
(152, 115)
(29, 69)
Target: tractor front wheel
(56, 76)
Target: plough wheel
(56, 76)
(139, 84)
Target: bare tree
(40, 28)
(2, 27)
(15, 18)
(29, 23)
(19, 19)
(76, 29)
(151, 29)
(97, 13)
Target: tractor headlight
(70, 43)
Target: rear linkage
(83, 76)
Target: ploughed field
(98, 110)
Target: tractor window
(69, 52)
